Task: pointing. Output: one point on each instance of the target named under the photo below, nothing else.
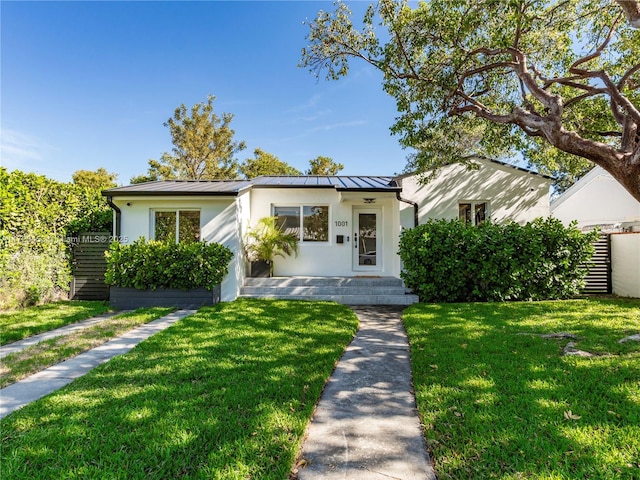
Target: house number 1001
(342, 223)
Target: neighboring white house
(356, 220)
(598, 200)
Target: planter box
(260, 269)
(132, 298)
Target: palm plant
(268, 240)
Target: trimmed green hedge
(448, 261)
(150, 265)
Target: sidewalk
(53, 378)
(366, 425)
(10, 348)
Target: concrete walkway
(53, 378)
(366, 425)
(14, 347)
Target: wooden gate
(89, 265)
(598, 279)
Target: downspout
(415, 208)
(410, 202)
(415, 216)
(118, 216)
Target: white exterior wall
(596, 199)
(242, 220)
(625, 264)
(218, 223)
(331, 258)
(512, 194)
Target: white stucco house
(356, 220)
(598, 200)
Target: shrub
(150, 265)
(33, 269)
(448, 261)
(36, 214)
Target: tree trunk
(624, 167)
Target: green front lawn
(19, 324)
(225, 393)
(19, 365)
(499, 401)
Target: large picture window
(310, 223)
(177, 225)
(473, 213)
(315, 224)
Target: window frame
(300, 208)
(473, 205)
(153, 211)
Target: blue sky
(89, 84)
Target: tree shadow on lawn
(499, 401)
(225, 393)
(19, 324)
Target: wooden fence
(89, 265)
(598, 280)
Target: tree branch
(629, 135)
(628, 74)
(619, 99)
(631, 9)
(596, 53)
(584, 96)
(552, 102)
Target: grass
(223, 394)
(19, 365)
(499, 401)
(19, 324)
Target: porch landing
(345, 290)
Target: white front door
(367, 239)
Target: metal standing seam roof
(234, 187)
(181, 187)
(340, 183)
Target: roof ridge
(323, 176)
(194, 180)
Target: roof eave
(371, 190)
(107, 193)
(279, 185)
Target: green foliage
(267, 240)
(265, 163)
(36, 215)
(33, 268)
(324, 166)
(556, 81)
(203, 146)
(449, 261)
(98, 180)
(150, 265)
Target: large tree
(203, 146)
(323, 166)
(264, 163)
(99, 179)
(556, 80)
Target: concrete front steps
(345, 290)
